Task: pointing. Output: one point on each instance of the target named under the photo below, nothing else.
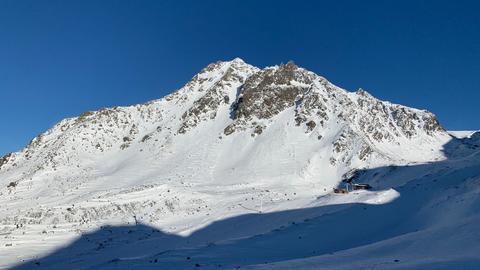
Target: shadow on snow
(436, 199)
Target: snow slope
(237, 168)
(461, 134)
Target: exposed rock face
(4, 159)
(311, 125)
(384, 120)
(269, 92)
(316, 102)
(215, 96)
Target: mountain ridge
(235, 139)
(211, 99)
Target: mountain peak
(290, 65)
(235, 98)
(238, 60)
(234, 132)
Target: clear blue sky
(60, 58)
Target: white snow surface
(461, 134)
(161, 185)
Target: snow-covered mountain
(234, 140)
